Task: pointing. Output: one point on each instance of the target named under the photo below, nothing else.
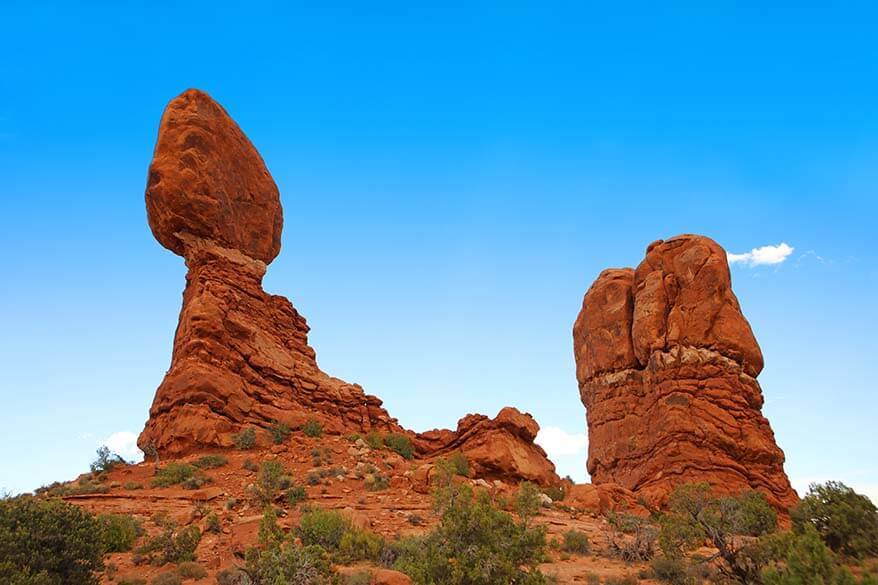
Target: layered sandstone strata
(241, 356)
(667, 368)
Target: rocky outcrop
(667, 368)
(241, 356)
(497, 448)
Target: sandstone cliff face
(241, 356)
(667, 368)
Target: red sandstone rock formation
(241, 357)
(497, 448)
(667, 368)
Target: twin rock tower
(666, 361)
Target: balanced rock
(208, 181)
(667, 367)
(241, 357)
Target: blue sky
(453, 179)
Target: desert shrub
(672, 571)
(170, 546)
(626, 580)
(358, 545)
(288, 564)
(323, 528)
(233, 576)
(696, 515)
(196, 481)
(527, 501)
(279, 432)
(119, 532)
(376, 482)
(631, 538)
(132, 581)
(459, 464)
(132, 485)
(170, 578)
(210, 461)
(416, 519)
(575, 542)
(296, 494)
(312, 428)
(486, 544)
(212, 523)
(375, 440)
(106, 460)
(173, 473)
(245, 439)
(805, 560)
(270, 480)
(250, 465)
(556, 492)
(359, 578)
(401, 444)
(592, 579)
(191, 570)
(48, 542)
(845, 520)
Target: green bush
(48, 542)
(250, 465)
(359, 545)
(170, 578)
(211, 462)
(475, 543)
(106, 460)
(805, 560)
(132, 581)
(287, 564)
(245, 439)
(527, 501)
(119, 532)
(212, 523)
(359, 578)
(312, 428)
(460, 464)
(375, 440)
(672, 571)
(401, 444)
(696, 515)
(191, 570)
(845, 520)
(171, 546)
(133, 485)
(270, 479)
(173, 473)
(575, 542)
(279, 432)
(296, 494)
(233, 576)
(323, 528)
(376, 482)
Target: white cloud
(762, 256)
(560, 443)
(125, 444)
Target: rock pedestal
(667, 368)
